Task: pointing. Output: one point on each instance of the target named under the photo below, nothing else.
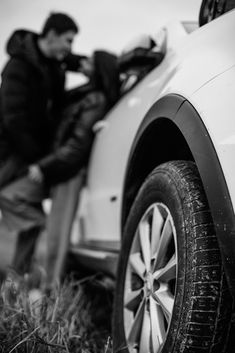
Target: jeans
(59, 225)
(22, 216)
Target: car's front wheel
(171, 293)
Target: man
(32, 96)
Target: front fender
(182, 117)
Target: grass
(73, 317)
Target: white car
(157, 209)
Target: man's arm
(15, 94)
(68, 158)
(73, 62)
(79, 63)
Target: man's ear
(51, 35)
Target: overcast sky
(105, 24)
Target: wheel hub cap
(148, 284)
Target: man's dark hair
(60, 23)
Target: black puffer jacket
(75, 136)
(31, 96)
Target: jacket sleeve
(73, 62)
(72, 155)
(15, 95)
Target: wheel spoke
(145, 333)
(166, 300)
(132, 299)
(144, 236)
(137, 264)
(164, 241)
(157, 223)
(168, 272)
(134, 334)
(157, 325)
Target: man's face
(60, 45)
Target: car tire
(171, 294)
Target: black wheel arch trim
(181, 112)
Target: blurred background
(104, 24)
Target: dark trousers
(22, 218)
(59, 226)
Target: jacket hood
(22, 45)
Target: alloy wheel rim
(150, 282)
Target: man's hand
(35, 173)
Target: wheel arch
(172, 129)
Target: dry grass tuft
(74, 317)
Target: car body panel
(219, 120)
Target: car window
(211, 9)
